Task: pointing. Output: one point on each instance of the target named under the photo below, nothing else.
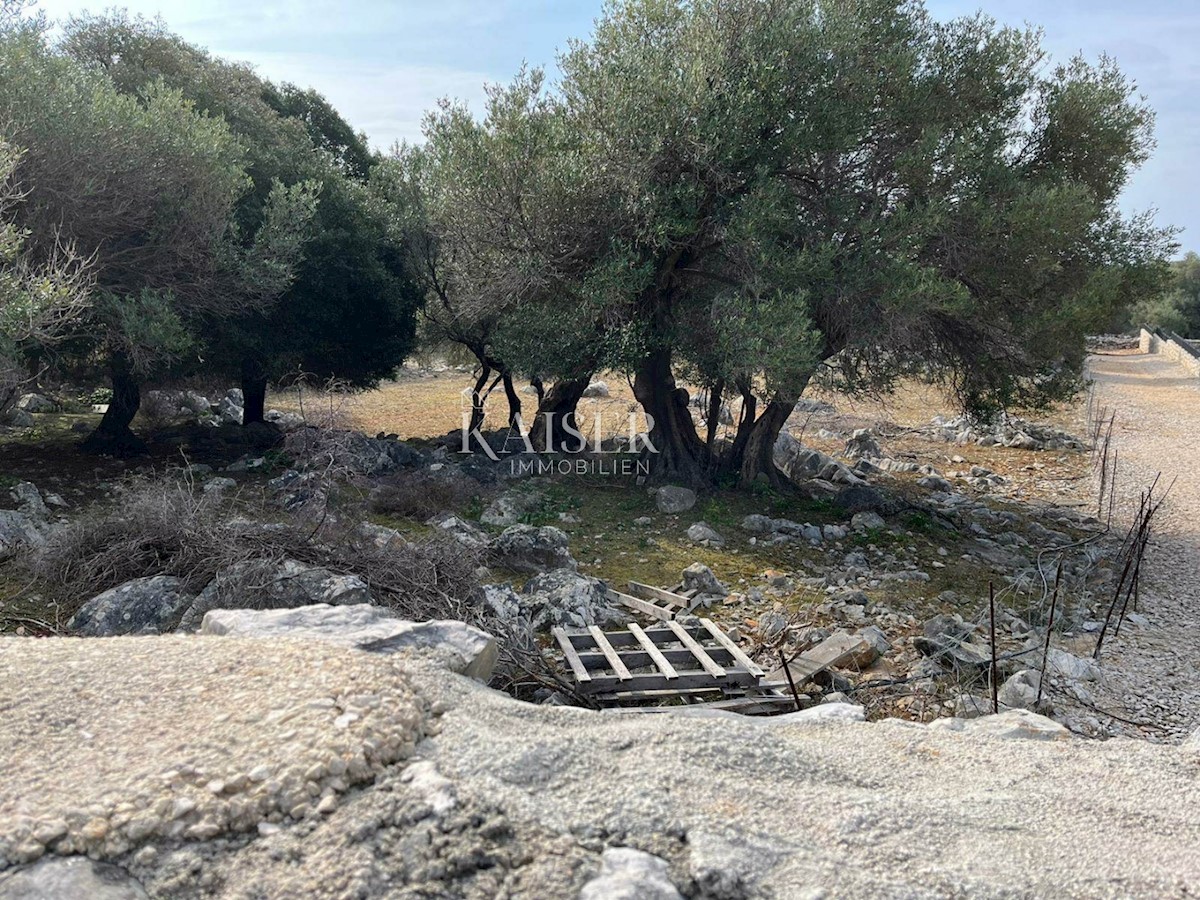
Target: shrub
(165, 526)
(421, 493)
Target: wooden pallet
(662, 661)
(657, 603)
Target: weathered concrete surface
(110, 743)
(505, 799)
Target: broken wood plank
(833, 651)
(614, 659)
(706, 661)
(647, 592)
(652, 651)
(642, 606)
(734, 650)
(577, 667)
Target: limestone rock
(840, 712)
(142, 606)
(509, 508)
(36, 403)
(461, 530)
(877, 645)
(285, 421)
(1010, 724)
(1020, 690)
(867, 521)
(596, 389)
(266, 584)
(935, 483)
(1068, 665)
(700, 578)
(219, 486)
(70, 878)
(18, 531)
(862, 444)
(628, 874)
(703, 533)
(672, 499)
(566, 598)
(524, 548)
(466, 649)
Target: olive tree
(503, 250)
(755, 192)
(41, 302)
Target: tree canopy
(1178, 307)
(347, 309)
(757, 192)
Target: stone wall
(1173, 347)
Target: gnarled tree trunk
(113, 436)
(555, 411)
(678, 453)
(479, 396)
(758, 455)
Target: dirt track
(1153, 672)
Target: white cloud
(386, 101)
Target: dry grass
(430, 405)
(165, 526)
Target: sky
(383, 63)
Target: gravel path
(1152, 673)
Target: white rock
(703, 533)
(866, 521)
(1012, 723)
(464, 648)
(219, 485)
(628, 874)
(1070, 666)
(840, 712)
(1020, 691)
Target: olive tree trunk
(555, 411)
(677, 453)
(113, 436)
(254, 392)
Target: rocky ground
(264, 761)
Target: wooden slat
(647, 592)
(832, 651)
(610, 654)
(735, 651)
(706, 661)
(660, 634)
(642, 606)
(573, 660)
(635, 657)
(652, 651)
(685, 679)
